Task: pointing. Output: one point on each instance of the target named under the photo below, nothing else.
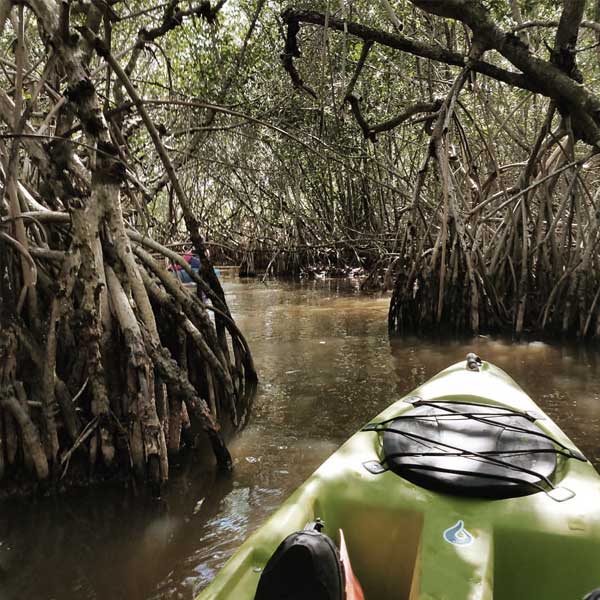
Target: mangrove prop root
(106, 361)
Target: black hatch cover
(469, 450)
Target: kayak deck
(411, 543)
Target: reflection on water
(326, 367)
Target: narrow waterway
(326, 367)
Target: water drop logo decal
(458, 535)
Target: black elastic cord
(537, 486)
(485, 452)
(443, 405)
(501, 463)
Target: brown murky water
(326, 366)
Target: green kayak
(463, 490)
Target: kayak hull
(407, 542)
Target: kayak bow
(463, 490)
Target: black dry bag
(305, 566)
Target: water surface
(326, 367)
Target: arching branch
(405, 44)
(536, 75)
